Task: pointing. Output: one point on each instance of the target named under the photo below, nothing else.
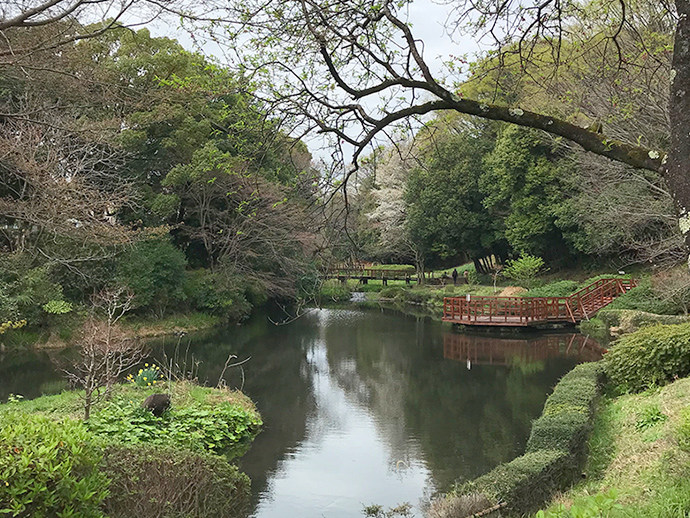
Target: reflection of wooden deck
(505, 351)
(534, 311)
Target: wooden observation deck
(534, 311)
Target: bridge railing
(513, 310)
(375, 273)
(523, 311)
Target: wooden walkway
(534, 311)
(367, 274)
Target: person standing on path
(455, 275)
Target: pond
(364, 407)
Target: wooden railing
(516, 311)
(374, 273)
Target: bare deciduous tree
(106, 352)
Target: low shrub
(164, 482)
(649, 357)
(392, 292)
(555, 289)
(629, 320)
(643, 298)
(216, 428)
(49, 470)
(335, 291)
(525, 482)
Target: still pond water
(365, 407)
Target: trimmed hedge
(649, 357)
(555, 449)
(165, 482)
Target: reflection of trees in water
(465, 421)
(30, 373)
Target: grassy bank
(640, 450)
(135, 326)
(126, 462)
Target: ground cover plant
(124, 461)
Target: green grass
(634, 449)
(70, 403)
(153, 326)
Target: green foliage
(524, 270)
(49, 468)
(593, 506)
(445, 214)
(643, 298)
(146, 377)
(57, 307)
(566, 420)
(649, 357)
(524, 181)
(199, 426)
(555, 289)
(392, 292)
(335, 291)
(526, 481)
(682, 431)
(218, 293)
(155, 271)
(649, 416)
(165, 482)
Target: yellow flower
(149, 384)
(144, 378)
(146, 365)
(154, 382)
(7, 483)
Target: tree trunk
(676, 170)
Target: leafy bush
(555, 289)
(335, 292)
(526, 481)
(164, 482)
(201, 427)
(146, 377)
(643, 298)
(49, 470)
(218, 293)
(649, 357)
(155, 272)
(524, 270)
(392, 292)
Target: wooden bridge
(367, 274)
(534, 311)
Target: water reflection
(490, 350)
(368, 406)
